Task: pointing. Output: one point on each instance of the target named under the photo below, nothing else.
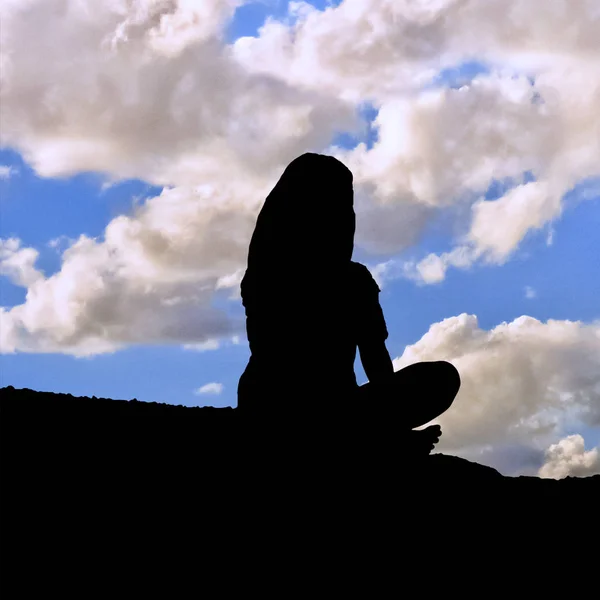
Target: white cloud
(17, 263)
(432, 269)
(146, 89)
(57, 242)
(530, 293)
(523, 383)
(214, 344)
(6, 172)
(204, 346)
(499, 226)
(444, 147)
(374, 48)
(568, 458)
(150, 280)
(149, 89)
(210, 388)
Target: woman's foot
(423, 441)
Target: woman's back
(303, 337)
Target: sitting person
(309, 307)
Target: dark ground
(97, 491)
(65, 433)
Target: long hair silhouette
(298, 258)
(307, 221)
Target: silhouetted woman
(308, 308)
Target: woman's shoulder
(362, 277)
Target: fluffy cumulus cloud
(524, 383)
(145, 88)
(151, 279)
(569, 458)
(151, 89)
(17, 263)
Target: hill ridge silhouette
(96, 482)
(60, 421)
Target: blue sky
(552, 273)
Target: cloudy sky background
(140, 137)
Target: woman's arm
(370, 327)
(375, 360)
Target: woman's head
(308, 218)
